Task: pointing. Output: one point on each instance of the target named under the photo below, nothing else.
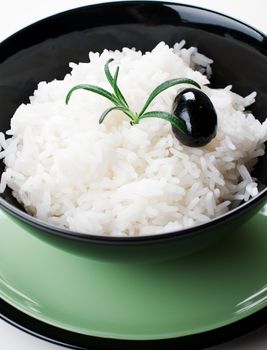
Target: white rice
(122, 180)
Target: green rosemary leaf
(95, 89)
(107, 72)
(116, 89)
(113, 82)
(116, 75)
(178, 123)
(166, 85)
(107, 111)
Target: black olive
(199, 115)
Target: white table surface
(16, 14)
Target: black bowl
(43, 51)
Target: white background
(16, 14)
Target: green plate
(135, 301)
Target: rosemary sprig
(117, 98)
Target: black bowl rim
(135, 240)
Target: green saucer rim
(171, 335)
(227, 317)
(65, 338)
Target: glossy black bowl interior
(43, 51)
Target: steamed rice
(122, 180)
